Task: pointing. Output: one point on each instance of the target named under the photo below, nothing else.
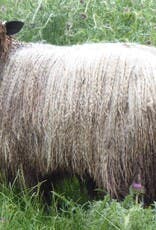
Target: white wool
(82, 108)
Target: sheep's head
(6, 30)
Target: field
(65, 22)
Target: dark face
(6, 30)
(3, 38)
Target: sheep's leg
(87, 183)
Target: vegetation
(77, 21)
(20, 210)
(65, 22)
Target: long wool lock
(85, 110)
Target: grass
(20, 210)
(65, 22)
(77, 21)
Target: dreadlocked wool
(83, 109)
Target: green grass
(65, 22)
(20, 210)
(77, 21)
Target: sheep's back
(84, 108)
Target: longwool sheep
(86, 110)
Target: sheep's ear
(13, 27)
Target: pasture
(74, 22)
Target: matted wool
(81, 109)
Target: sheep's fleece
(85, 110)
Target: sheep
(87, 110)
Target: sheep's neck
(5, 43)
(7, 46)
